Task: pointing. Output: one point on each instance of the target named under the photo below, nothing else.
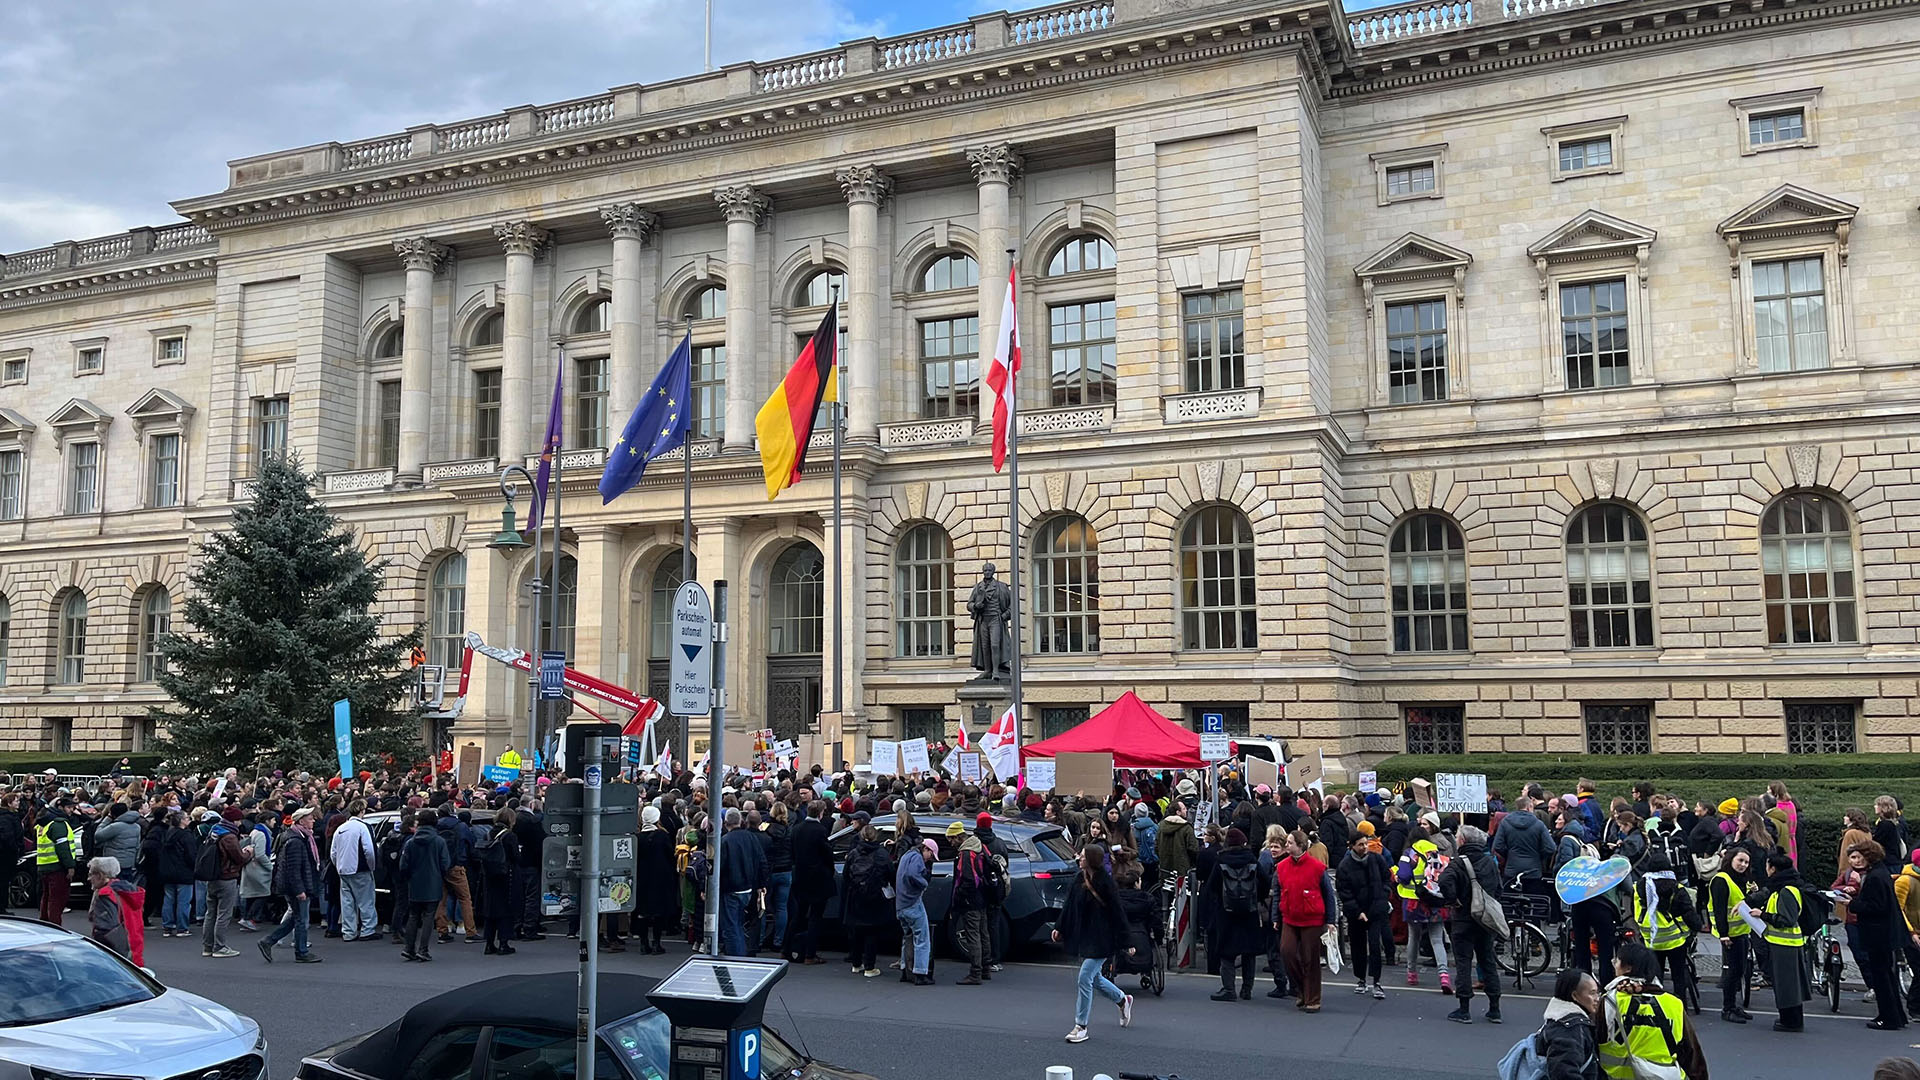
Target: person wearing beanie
(1146, 836)
(1235, 897)
(1783, 894)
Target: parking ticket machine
(715, 1004)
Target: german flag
(785, 422)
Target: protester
(106, 922)
(864, 904)
(1643, 1022)
(54, 859)
(1235, 896)
(1566, 1040)
(498, 853)
(1306, 906)
(179, 852)
(743, 876)
(1366, 899)
(812, 883)
(1424, 911)
(911, 875)
(352, 851)
(296, 878)
(1731, 885)
(1472, 867)
(218, 866)
(1094, 926)
(1881, 931)
(1786, 953)
(423, 866)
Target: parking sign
(1212, 723)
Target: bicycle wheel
(1159, 973)
(1833, 985)
(1526, 952)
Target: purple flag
(549, 448)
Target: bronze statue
(991, 605)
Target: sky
(115, 107)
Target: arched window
(6, 632)
(1080, 254)
(794, 624)
(447, 612)
(1216, 581)
(667, 580)
(954, 270)
(1428, 571)
(708, 303)
(1806, 558)
(1609, 579)
(73, 638)
(1066, 586)
(156, 622)
(492, 330)
(818, 289)
(390, 342)
(923, 593)
(594, 317)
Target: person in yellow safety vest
(53, 859)
(1667, 920)
(510, 759)
(1787, 957)
(1424, 913)
(1906, 889)
(1725, 891)
(1644, 1023)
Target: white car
(74, 1009)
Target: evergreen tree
(280, 627)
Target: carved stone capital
(996, 164)
(742, 202)
(520, 237)
(420, 253)
(864, 184)
(630, 221)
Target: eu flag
(658, 425)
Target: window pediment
(14, 427)
(1591, 235)
(158, 406)
(1413, 258)
(1788, 211)
(79, 418)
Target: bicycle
(1526, 953)
(1829, 963)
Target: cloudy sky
(115, 107)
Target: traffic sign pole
(588, 905)
(716, 762)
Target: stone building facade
(1469, 376)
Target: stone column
(631, 227)
(866, 189)
(422, 258)
(745, 208)
(597, 621)
(994, 168)
(521, 240)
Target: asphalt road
(1009, 1029)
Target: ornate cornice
(864, 184)
(420, 253)
(743, 202)
(518, 237)
(998, 163)
(630, 221)
(96, 282)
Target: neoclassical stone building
(1485, 375)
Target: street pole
(1013, 511)
(685, 726)
(588, 904)
(839, 592)
(533, 609)
(716, 767)
(553, 601)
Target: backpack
(1814, 909)
(492, 853)
(867, 874)
(208, 863)
(968, 877)
(1240, 889)
(1524, 1061)
(1436, 865)
(1705, 866)
(995, 890)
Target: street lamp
(507, 541)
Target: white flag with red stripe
(1001, 744)
(962, 742)
(1002, 374)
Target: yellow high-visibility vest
(1642, 1028)
(1788, 937)
(1736, 926)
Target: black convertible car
(521, 1026)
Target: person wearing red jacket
(1305, 905)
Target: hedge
(84, 764)
(1824, 786)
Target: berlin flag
(1001, 374)
(1001, 744)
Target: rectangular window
(270, 429)
(13, 485)
(143, 734)
(1060, 718)
(486, 413)
(1586, 155)
(1436, 729)
(949, 363)
(1774, 128)
(709, 391)
(590, 394)
(1790, 314)
(59, 735)
(90, 361)
(13, 370)
(83, 478)
(388, 393)
(163, 487)
(1822, 727)
(1410, 179)
(1593, 331)
(923, 723)
(1080, 351)
(1619, 729)
(1417, 351)
(1213, 326)
(1234, 719)
(169, 350)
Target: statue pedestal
(984, 700)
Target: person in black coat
(525, 899)
(1236, 929)
(423, 867)
(812, 883)
(496, 879)
(656, 901)
(1093, 924)
(864, 904)
(1567, 1041)
(1361, 881)
(1334, 829)
(179, 850)
(1882, 929)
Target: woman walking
(499, 854)
(1306, 903)
(1725, 891)
(1094, 926)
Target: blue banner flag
(549, 449)
(659, 424)
(343, 736)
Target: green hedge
(1823, 786)
(90, 764)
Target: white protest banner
(913, 757)
(1369, 782)
(1040, 774)
(1460, 793)
(971, 769)
(951, 762)
(886, 757)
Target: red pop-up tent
(1138, 737)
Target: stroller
(1146, 933)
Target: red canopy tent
(1138, 737)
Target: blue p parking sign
(743, 1063)
(1212, 723)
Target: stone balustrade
(1424, 18)
(472, 134)
(703, 449)
(1059, 22)
(801, 71)
(572, 459)
(568, 115)
(371, 153)
(101, 250)
(357, 480)
(1039, 423)
(944, 431)
(441, 472)
(1212, 405)
(926, 48)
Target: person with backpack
(1422, 908)
(1093, 924)
(456, 904)
(1666, 919)
(864, 904)
(256, 880)
(969, 907)
(1470, 869)
(1787, 913)
(497, 852)
(1643, 1024)
(1565, 1047)
(296, 877)
(1236, 896)
(218, 866)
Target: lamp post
(507, 541)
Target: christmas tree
(281, 626)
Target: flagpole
(686, 501)
(559, 470)
(1013, 511)
(839, 592)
